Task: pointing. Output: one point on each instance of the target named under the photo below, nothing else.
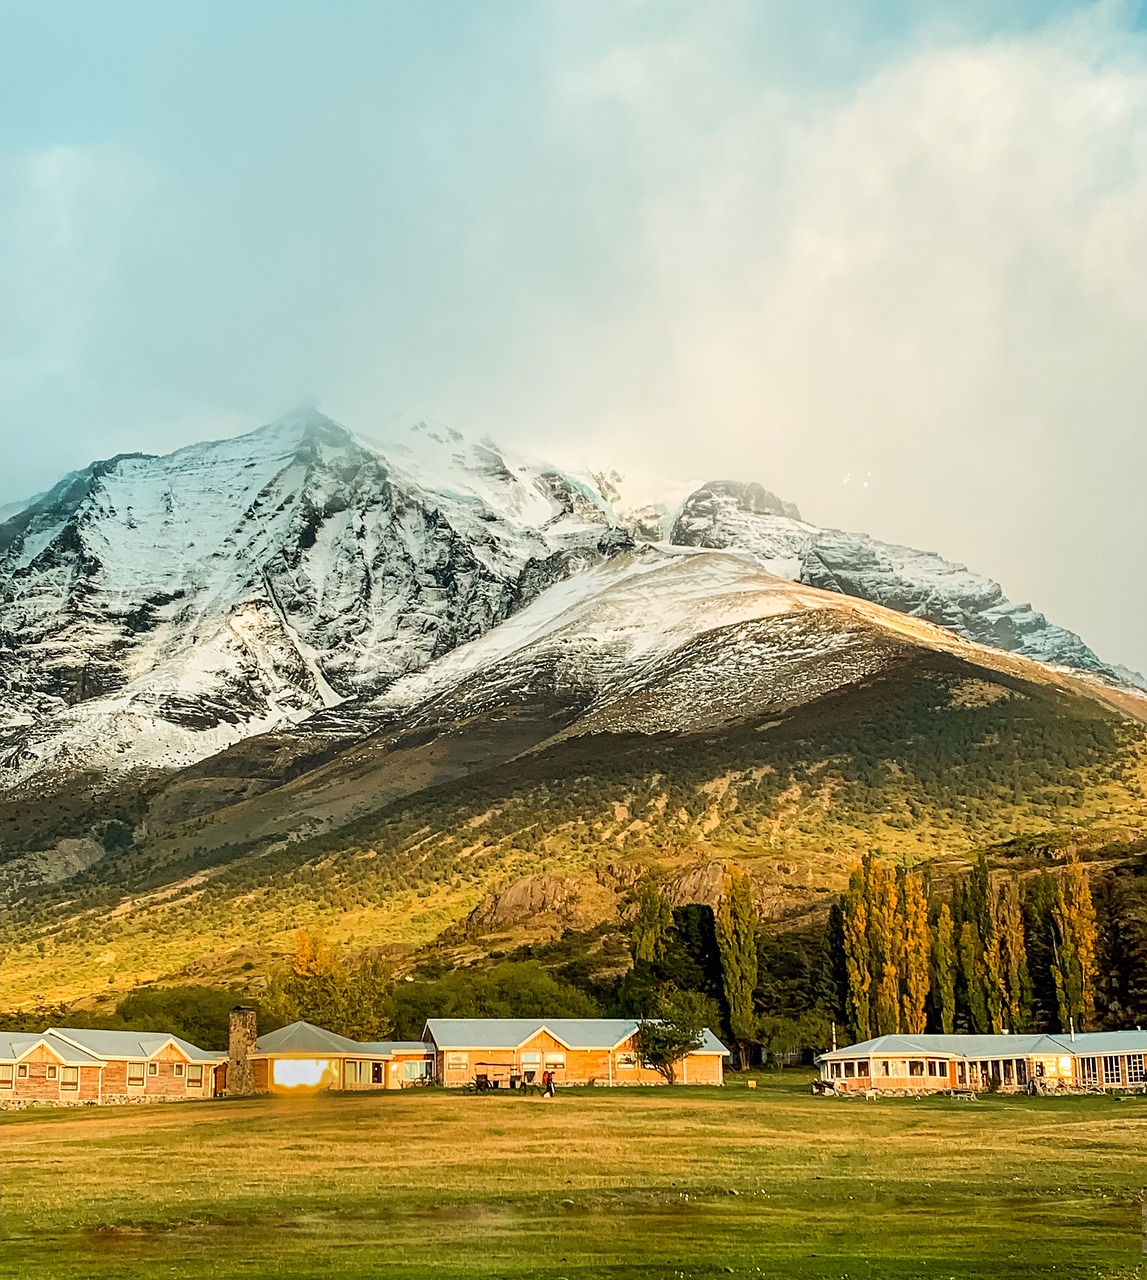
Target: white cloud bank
(634, 234)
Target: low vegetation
(687, 1183)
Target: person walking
(548, 1084)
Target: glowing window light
(303, 1073)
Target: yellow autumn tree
(313, 957)
(857, 960)
(915, 956)
(1073, 967)
(885, 934)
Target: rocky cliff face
(153, 610)
(724, 514)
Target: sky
(889, 259)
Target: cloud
(901, 243)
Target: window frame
(52, 1071)
(22, 1071)
(70, 1082)
(134, 1082)
(193, 1081)
(1136, 1068)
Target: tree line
(997, 954)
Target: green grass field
(675, 1183)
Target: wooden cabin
(303, 1058)
(1038, 1063)
(598, 1051)
(73, 1065)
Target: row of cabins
(902, 1064)
(75, 1065)
(67, 1065)
(457, 1052)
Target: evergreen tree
(737, 939)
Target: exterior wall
(37, 1087)
(542, 1052)
(932, 1074)
(170, 1082)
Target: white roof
(15, 1045)
(996, 1046)
(511, 1033)
(130, 1044)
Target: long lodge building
(1040, 1063)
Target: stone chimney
(240, 1068)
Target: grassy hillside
(927, 761)
(685, 1183)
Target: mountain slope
(155, 610)
(726, 514)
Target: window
(22, 1071)
(627, 1060)
(884, 1069)
(457, 1062)
(916, 1067)
(376, 1076)
(531, 1059)
(933, 1067)
(354, 1072)
(51, 1070)
(179, 1068)
(1088, 1070)
(70, 1078)
(195, 1075)
(850, 1070)
(6, 1074)
(835, 1069)
(417, 1069)
(1021, 1071)
(1008, 1073)
(1111, 1072)
(1135, 1071)
(961, 1073)
(555, 1061)
(862, 1068)
(135, 1073)
(153, 1068)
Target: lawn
(646, 1183)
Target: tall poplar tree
(944, 964)
(885, 929)
(652, 927)
(857, 960)
(1074, 966)
(736, 919)
(1014, 979)
(916, 954)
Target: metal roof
(130, 1044)
(512, 1033)
(996, 1046)
(305, 1037)
(15, 1045)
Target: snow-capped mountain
(921, 583)
(155, 610)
